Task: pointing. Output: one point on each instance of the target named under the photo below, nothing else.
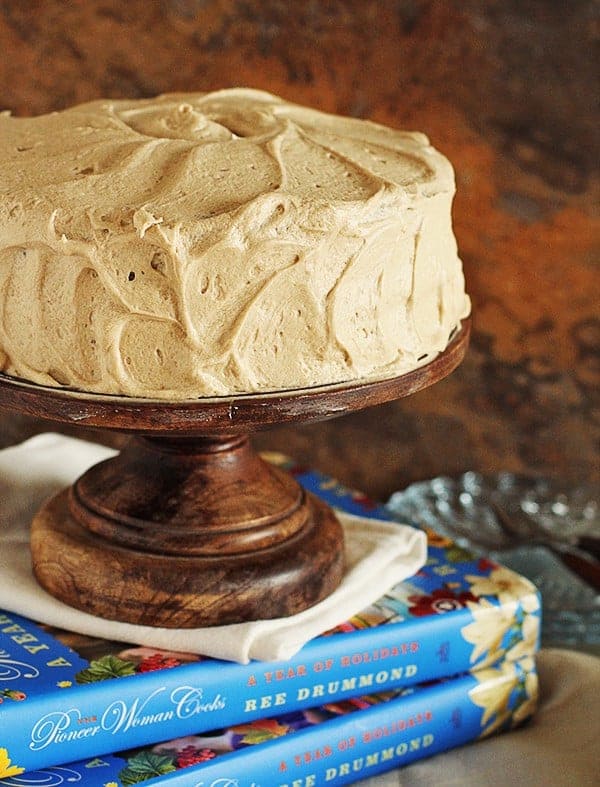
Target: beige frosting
(207, 244)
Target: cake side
(228, 242)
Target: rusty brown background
(506, 89)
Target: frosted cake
(209, 244)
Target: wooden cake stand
(188, 526)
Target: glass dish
(539, 527)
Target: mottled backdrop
(506, 89)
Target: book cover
(335, 743)
(66, 697)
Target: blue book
(65, 697)
(335, 743)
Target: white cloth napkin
(379, 555)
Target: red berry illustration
(14, 694)
(193, 756)
(157, 661)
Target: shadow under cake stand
(188, 526)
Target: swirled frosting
(208, 244)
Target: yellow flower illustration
(110, 784)
(527, 645)
(494, 690)
(6, 769)
(531, 602)
(503, 583)
(486, 632)
(64, 684)
(491, 622)
(527, 709)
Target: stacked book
(443, 659)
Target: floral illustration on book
(504, 609)
(510, 629)
(132, 661)
(12, 694)
(6, 767)
(505, 704)
(163, 758)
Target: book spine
(95, 718)
(329, 748)
(377, 739)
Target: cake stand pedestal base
(188, 526)
(187, 532)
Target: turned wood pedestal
(173, 531)
(188, 526)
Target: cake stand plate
(188, 526)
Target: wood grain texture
(189, 532)
(177, 591)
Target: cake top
(185, 157)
